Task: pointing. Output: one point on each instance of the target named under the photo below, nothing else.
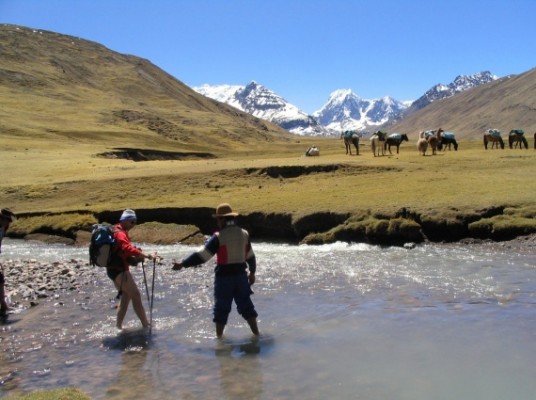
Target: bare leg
(122, 309)
(126, 284)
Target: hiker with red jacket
(123, 254)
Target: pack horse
(493, 136)
(394, 139)
(377, 141)
(350, 138)
(516, 137)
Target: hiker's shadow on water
(242, 359)
(129, 339)
(242, 348)
(133, 379)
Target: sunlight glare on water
(341, 321)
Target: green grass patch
(62, 225)
(159, 233)
(54, 394)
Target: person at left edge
(119, 271)
(6, 217)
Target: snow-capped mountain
(344, 109)
(460, 84)
(347, 111)
(263, 103)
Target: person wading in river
(6, 217)
(232, 282)
(123, 254)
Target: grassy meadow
(63, 173)
(66, 101)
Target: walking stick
(145, 281)
(152, 299)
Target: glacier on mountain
(344, 109)
(263, 103)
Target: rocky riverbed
(27, 281)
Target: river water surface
(339, 321)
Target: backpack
(101, 245)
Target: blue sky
(303, 50)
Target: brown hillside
(54, 84)
(505, 104)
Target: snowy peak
(345, 110)
(263, 103)
(460, 84)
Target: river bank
(190, 225)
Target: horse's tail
(485, 141)
(373, 146)
(510, 141)
(501, 142)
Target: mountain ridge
(344, 110)
(89, 88)
(506, 103)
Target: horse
(350, 137)
(534, 140)
(422, 145)
(517, 137)
(432, 138)
(394, 139)
(375, 140)
(446, 139)
(493, 136)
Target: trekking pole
(152, 299)
(145, 281)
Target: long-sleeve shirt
(123, 247)
(232, 246)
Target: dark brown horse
(517, 137)
(394, 139)
(493, 136)
(446, 139)
(350, 138)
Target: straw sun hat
(224, 210)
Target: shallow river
(340, 321)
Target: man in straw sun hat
(6, 217)
(234, 255)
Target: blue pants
(227, 289)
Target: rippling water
(343, 321)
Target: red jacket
(123, 247)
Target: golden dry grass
(64, 174)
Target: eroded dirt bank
(401, 227)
